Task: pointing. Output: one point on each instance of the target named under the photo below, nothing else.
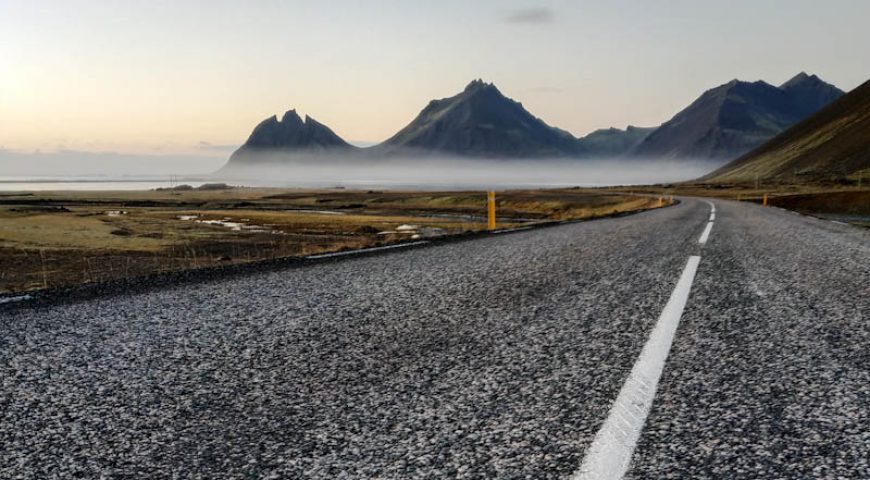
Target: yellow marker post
(660, 201)
(490, 208)
(765, 200)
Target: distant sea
(8, 185)
(25, 184)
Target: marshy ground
(51, 239)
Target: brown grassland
(55, 239)
(845, 202)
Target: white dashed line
(706, 234)
(709, 227)
(609, 456)
(365, 250)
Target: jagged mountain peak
(478, 84)
(290, 134)
(733, 118)
(481, 121)
(831, 144)
(291, 117)
(802, 77)
(810, 93)
(804, 81)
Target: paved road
(493, 358)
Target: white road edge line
(365, 250)
(709, 227)
(706, 234)
(510, 230)
(609, 456)
(19, 298)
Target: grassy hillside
(831, 145)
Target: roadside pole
(765, 200)
(490, 208)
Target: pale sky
(180, 77)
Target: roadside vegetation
(844, 201)
(52, 239)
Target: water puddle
(415, 231)
(236, 226)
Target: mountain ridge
(481, 122)
(290, 134)
(831, 144)
(735, 117)
(724, 122)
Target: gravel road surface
(492, 358)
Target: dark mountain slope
(831, 144)
(481, 122)
(289, 135)
(809, 93)
(613, 142)
(732, 119)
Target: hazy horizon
(440, 171)
(327, 170)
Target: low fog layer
(75, 164)
(447, 172)
(363, 171)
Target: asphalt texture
(493, 358)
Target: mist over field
(452, 172)
(308, 171)
(76, 164)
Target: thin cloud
(530, 15)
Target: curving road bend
(502, 357)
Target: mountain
(831, 144)
(810, 93)
(724, 123)
(613, 142)
(289, 135)
(732, 119)
(481, 122)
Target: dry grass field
(848, 203)
(50, 239)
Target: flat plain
(56, 239)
